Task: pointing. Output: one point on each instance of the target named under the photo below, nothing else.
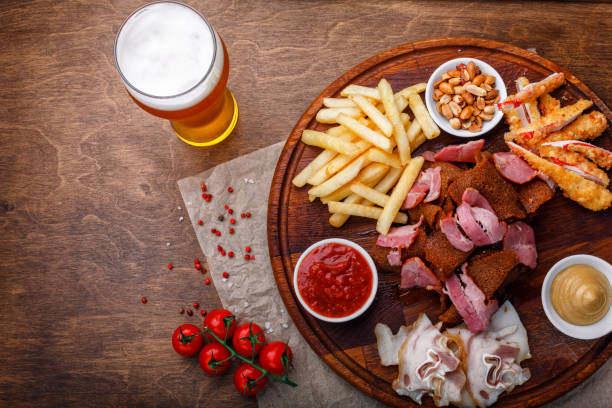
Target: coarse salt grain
(181, 219)
(179, 208)
(229, 285)
(285, 325)
(167, 244)
(267, 325)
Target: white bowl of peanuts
(462, 94)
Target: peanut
(489, 109)
(485, 116)
(466, 124)
(466, 113)
(445, 76)
(446, 111)
(478, 80)
(455, 123)
(490, 79)
(474, 90)
(454, 81)
(454, 73)
(455, 108)
(439, 107)
(492, 94)
(471, 69)
(437, 94)
(465, 75)
(458, 99)
(445, 98)
(458, 90)
(487, 87)
(446, 88)
(437, 83)
(480, 103)
(469, 98)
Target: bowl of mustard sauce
(577, 296)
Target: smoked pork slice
(429, 156)
(513, 168)
(475, 199)
(448, 173)
(520, 238)
(460, 153)
(470, 301)
(480, 225)
(399, 237)
(533, 194)
(429, 181)
(380, 255)
(451, 230)
(498, 192)
(415, 274)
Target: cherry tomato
(245, 377)
(274, 358)
(211, 355)
(184, 346)
(215, 321)
(242, 342)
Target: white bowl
(368, 259)
(441, 120)
(591, 331)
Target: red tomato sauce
(335, 280)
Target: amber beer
(174, 65)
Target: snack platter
(562, 228)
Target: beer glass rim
(206, 74)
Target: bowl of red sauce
(335, 280)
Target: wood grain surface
(561, 227)
(88, 193)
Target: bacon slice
(429, 156)
(395, 257)
(461, 153)
(475, 199)
(454, 235)
(429, 180)
(602, 157)
(513, 168)
(415, 274)
(532, 91)
(480, 225)
(521, 239)
(399, 237)
(470, 301)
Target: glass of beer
(175, 66)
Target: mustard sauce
(581, 295)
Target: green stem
(251, 362)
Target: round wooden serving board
(561, 227)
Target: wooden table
(88, 193)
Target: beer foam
(164, 51)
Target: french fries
(338, 103)
(366, 133)
(369, 194)
(429, 127)
(377, 155)
(361, 90)
(363, 211)
(403, 145)
(390, 210)
(344, 176)
(330, 115)
(374, 114)
(359, 165)
(384, 185)
(325, 141)
(369, 175)
(413, 90)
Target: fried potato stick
(374, 114)
(344, 176)
(369, 194)
(325, 141)
(377, 155)
(430, 129)
(369, 175)
(330, 115)
(363, 211)
(337, 164)
(409, 175)
(361, 90)
(383, 186)
(338, 103)
(391, 112)
(366, 133)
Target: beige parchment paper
(251, 292)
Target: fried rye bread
(499, 193)
(533, 194)
(491, 271)
(443, 255)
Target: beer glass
(174, 65)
